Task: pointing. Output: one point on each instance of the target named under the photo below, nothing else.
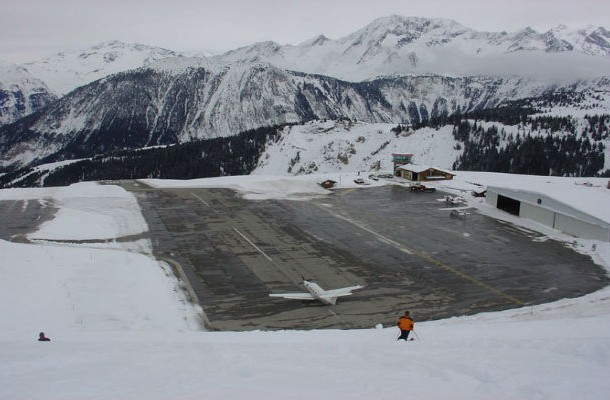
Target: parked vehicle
(420, 187)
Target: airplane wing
(295, 296)
(346, 291)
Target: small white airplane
(459, 212)
(455, 200)
(315, 292)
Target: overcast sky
(31, 29)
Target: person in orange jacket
(405, 324)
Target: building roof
(591, 204)
(421, 168)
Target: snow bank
(82, 216)
(255, 187)
(120, 327)
(63, 287)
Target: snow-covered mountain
(399, 45)
(320, 147)
(393, 45)
(20, 93)
(179, 102)
(175, 99)
(64, 72)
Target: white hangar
(548, 209)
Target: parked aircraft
(455, 200)
(459, 212)
(315, 292)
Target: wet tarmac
(407, 252)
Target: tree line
(568, 153)
(224, 156)
(545, 145)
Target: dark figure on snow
(405, 324)
(43, 338)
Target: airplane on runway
(455, 200)
(315, 292)
(459, 212)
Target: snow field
(120, 326)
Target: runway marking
(203, 201)
(471, 279)
(344, 322)
(236, 230)
(378, 235)
(252, 244)
(431, 259)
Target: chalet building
(423, 173)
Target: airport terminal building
(549, 211)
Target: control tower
(401, 159)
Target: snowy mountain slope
(545, 143)
(64, 72)
(410, 45)
(333, 146)
(20, 93)
(387, 46)
(345, 146)
(181, 100)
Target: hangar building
(549, 211)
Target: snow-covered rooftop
(588, 195)
(421, 168)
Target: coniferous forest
(542, 146)
(225, 156)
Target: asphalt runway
(20, 217)
(407, 252)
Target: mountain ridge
(394, 45)
(21, 93)
(397, 45)
(157, 106)
(64, 71)
(172, 99)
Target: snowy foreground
(121, 328)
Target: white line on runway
(235, 229)
(344, 322)
(432, 260)
(253, 245)
(203, 201)
(378, 235)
